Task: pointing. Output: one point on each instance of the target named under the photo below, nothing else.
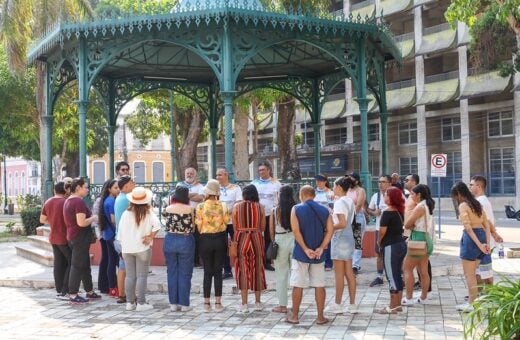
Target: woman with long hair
(358, 195)
(281, 233)
(107, 228)
(249, 223)
(342, 246)
(179, 249)
(211, 218)
(137, 229)
(475, 238)
(393, 246)
(420, 222)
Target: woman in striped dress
(249, 223)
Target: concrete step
(43, 230)
(34, 253)
(40, 242)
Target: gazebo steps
(40, 242)
(35, 253)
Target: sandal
(293, 322)
(322, 322)
(207, 307)
(279, 309)
(388, 310)
(218, 307)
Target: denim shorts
(468, 249)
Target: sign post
(439, 163)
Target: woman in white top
(137, 229)
(342, 246)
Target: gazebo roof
(269, 44)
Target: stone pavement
(28, 313)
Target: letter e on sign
(439, 163)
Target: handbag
(93, 236)
(233, 249)
(358, 235)
(272, 251)
(416, 248)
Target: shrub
(28, 201)
(30, 220)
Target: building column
(422, 152)
(516, 118)
(465, 142)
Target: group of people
(323, 232)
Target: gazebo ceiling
(164, 60)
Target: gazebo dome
(191, 5)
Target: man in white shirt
(229, 194)
(268, 189)
(375, 208)
(196, 196)
(477, 186)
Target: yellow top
(469, 218)
(211, 217)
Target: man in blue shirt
(311, 225)
(126, 185)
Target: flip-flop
(322, 322)
(292, 321)
(388, 310)
(279, 309)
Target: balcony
(406, 43)
(363, 9)
(440, 88)
(437, 38)
(485, 84)
(390, 7)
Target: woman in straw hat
(179, 249)
(137, 229)
(212, 218)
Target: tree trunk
(72, 161)
(188, 150)
(241, 144)
(285, 139)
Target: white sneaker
(421, 301)
(334, 308)
(175, 308)
(130, 306)
(243, 309)
(259, 307)
(185, 309)
(353, 309)
(464, 307)
(407, 302)
(143, 307)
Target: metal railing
(437, 28)
(440, 77)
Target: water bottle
(501, 250)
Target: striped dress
(249, 267)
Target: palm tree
(23, 21)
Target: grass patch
(6, 236)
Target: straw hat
(212, 187)
(140, 195)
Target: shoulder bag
(272, 249)
(417, 248)
(358, 235)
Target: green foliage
(28, 201)
(496, 312)
(468, 11)
(122, 7)
(30, 220)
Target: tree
(20, 23)
(495, 26)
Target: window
(408, 165)
(407, 133)
(502, 171)
(158, 171)
(98, 175)
(500, 124)
(450, 129)
(202, 154)
(373, 132)
(22, 183)
(139, 172)
(333, 136)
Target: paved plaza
(30, 311)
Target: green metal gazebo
(213, 51)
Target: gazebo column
(383, 118)
(361, 91)
(172, 138)
(48, 121)
(228, 132)
(213, 131)
(111, 128)
(82, 107)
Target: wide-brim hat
(181, 194)
(140, 195)
(321, 177)
(212, 187)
